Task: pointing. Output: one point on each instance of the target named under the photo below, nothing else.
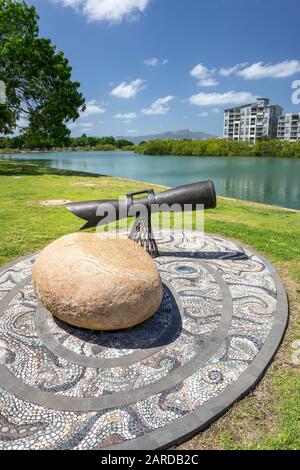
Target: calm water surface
(267, 180)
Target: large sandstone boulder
(97, 283)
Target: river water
(261, 179)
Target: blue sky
(148, 66)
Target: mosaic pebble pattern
(222, 291)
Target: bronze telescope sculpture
(97, 213)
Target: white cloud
(84, 125)
(200, 71)
(159, 106)
(92, 108)
(132, 131)
(226, 72)
(125, 116)
(128, 90)
(154, 62)
(204, 75)
(204, 114)
(113, 11)
(22, 122)
(206, 82)
(216, 111)
(260, 70)
(219, 99)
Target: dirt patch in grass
(85, 185)
(54, 202)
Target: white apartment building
(252, 121)
(289, 127)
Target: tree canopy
(41, 97)
(26, 142)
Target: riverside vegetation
(25, 143)
(220, 147)
(198, 148)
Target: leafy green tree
(106, 141)
(220, 147)
(122, 143)
(267, 147)
(39, 88)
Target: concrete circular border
(183, 428)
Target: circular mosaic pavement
(222, 318)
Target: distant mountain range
(175, 135)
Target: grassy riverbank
(266, 419)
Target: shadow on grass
(24, 168)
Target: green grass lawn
(269, 418)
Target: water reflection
(268, 180)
